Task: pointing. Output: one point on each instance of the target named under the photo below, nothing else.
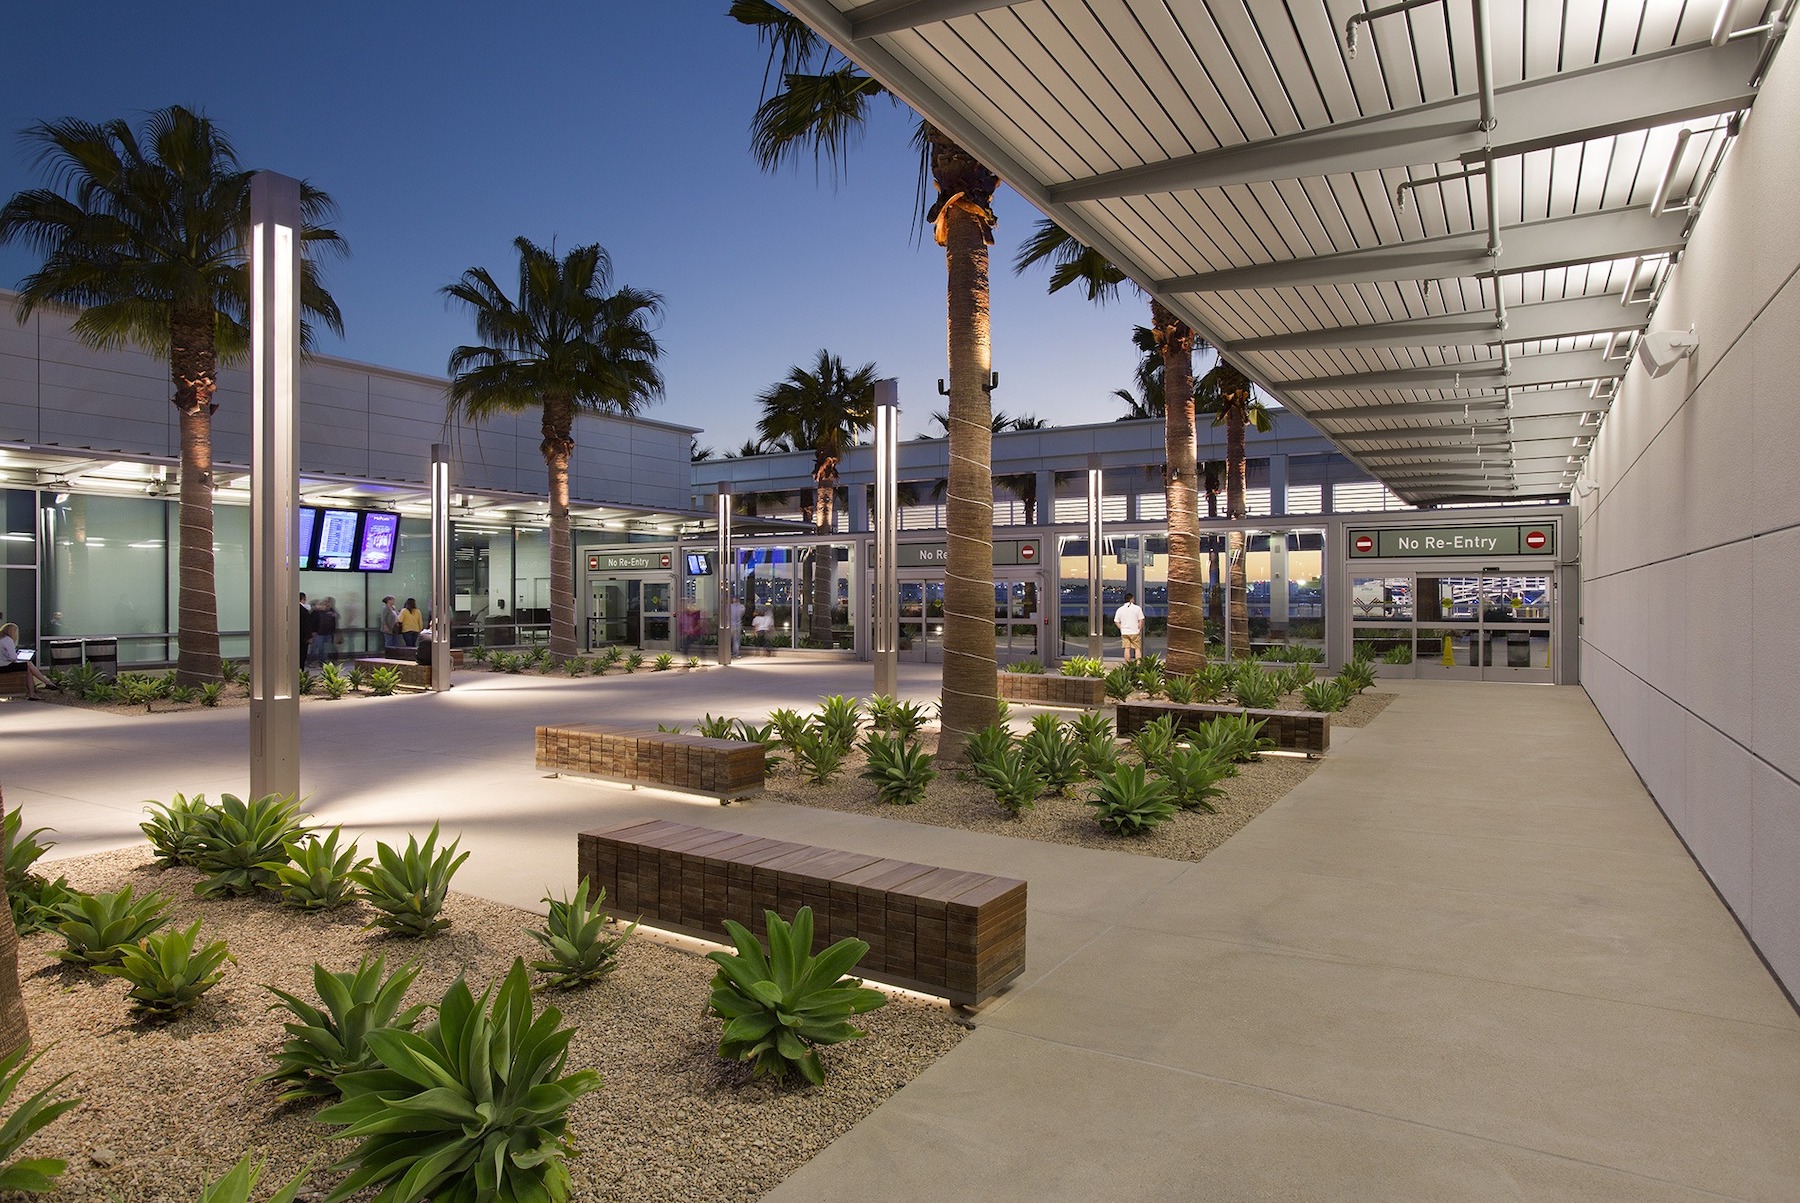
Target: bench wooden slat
(718, 768)
(951, 932)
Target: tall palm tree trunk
(965, 229)
(1215, 598)
(824, 561)
(193, 367)
(15, 1026)
(1236, 507)
(558, 446)
(1187, 628)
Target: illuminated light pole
(887, 532)
(442, 604)
(274, 487)
(722, 577)
(1096, 608)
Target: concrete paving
(1466, 959)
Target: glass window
(107, 570)
(18, 529)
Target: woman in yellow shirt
(411, 622)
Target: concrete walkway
(1466, 959)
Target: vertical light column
(886, 541)
(722, 576)
(274, 487)
(443, 605)
(1096, 606)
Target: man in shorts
(1129, 618)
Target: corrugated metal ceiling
(1323, 215)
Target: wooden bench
(718, 768)
(13, 682)
(1307, 731)
(1052, 689)
(960, 936)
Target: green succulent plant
(169, 971)
(358, 676)
(1052, 755)
(634, 662)
(473, 1108)
(663, 663)
(231, 672)
(408, 888)
(36, 902)
(173, 829)
(579, 944)
(1015, 782)
(782, 1004)
(1257, 689)
(1126, 802)
(212, 693)
(984, 745)
(1154, 741)
(1098, 754)
(818, 754)
(1325, 696)
(716, 728)
(1090, 723)
(97, 928)
(789, 724)
(1032, 665)
(28, 1175)
(1083, 666)
(331, 1038)
(900, 770)
(1179, 689)
(1193, 775)
(575, 666)
(384, 681)
(1400, 653)
(333, 681)
(308, 682)
(21, 847)
(240, 1181)
(1211, 682)
(1233, 737)
(480, 653)
(1121, 682)
(894, 717)
(236, 842)
(840, 718)
(1357, 675)
(315, 874)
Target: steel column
(886, 541)
(1095, 527)
(443, 605)
(722, 575)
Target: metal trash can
(1518, 649)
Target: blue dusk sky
(445, 130)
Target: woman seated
(12, 662)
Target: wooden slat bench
(13, 682)
(1307, 731)
(957, 935)
(1052, 689)
(718, 768)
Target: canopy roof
(1436, 237)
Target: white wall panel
(1691, 542)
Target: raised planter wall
(1307, 731)
(1052, 689)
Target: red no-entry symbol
(1027, 551)
(1365, 544)
(1536, 539)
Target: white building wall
(1691, 541)
(358, 421)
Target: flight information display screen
(307, 515)
(337, 540)
(375, 552)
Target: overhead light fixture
(1661, 199)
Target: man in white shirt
(1129, 618)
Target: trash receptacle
(1518, 649)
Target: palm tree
(823, 102)
(826, 409)
(571, 344)
(144, 231)
(1226, 394)
(1171, 342)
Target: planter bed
(1052, 689)
(1307, 731)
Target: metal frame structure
(1440, 201)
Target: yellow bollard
(1449, 654)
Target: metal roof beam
(1684, 84)
(1554, 368)
(877, 17)
(1533, 246)
(1548, 403)
(1524, 323)
(1447, 439)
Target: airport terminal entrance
(630, 611)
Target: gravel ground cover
(1067, 819)
(165, 1108)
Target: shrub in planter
(174, 829)
(986, 744)
(817, 753)
(1126, 802)
(236, 842)
(307, 682)
(634, 662)
(1179, 689)
(239, 1183)
(900, 770)
(1234, 737)
(168, 973)
(212, 693)
(31, 1175)
(1325, 696)
(1357, 675)
(1120, 683)
(1098, 754)
(1211, 682)
(475, 1107)
(840, 717)
(1051, 753)
(383, 681)
(1193, 775)
(1025, 666)
(1400, 653)
(97, 928)
(331, 1039)
(663, 663)
(1154, 741)
(315, 875)
(409, 887)
(578, 942)
(1256, 689)
(780, 1006)
(1016, 785)
(1083, 666)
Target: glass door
(1016, 620)
(1449, 641)
(1516, 628)
(657, 615)
(922, 621)
(613, 618)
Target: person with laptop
(12, 660)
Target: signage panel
(1415, 542)
(936, 555)
(627, 561)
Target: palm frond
(824, 113)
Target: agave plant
(893, 717)
(99, 927)
(1325, 696)
(900, 770)
(578, 940)
(168, 973)
(383, 681)
(1126, 802)
(1154, 741)
(331, 1039)
(789, 724)
(1179, 689)
(333, 681)
(634, 662)
(480, 653)
(1256, 689)
(473, 1108)
(663, 663)
(241, 1179)
(1357, 675)
(31, 1175)
(212, 693)
(36, 902)
(307, 682)
(1233, 737)
(1098, 754)
(1090, 724)
(575, 666)
(231, 672)
(1211, 682)
(359, 677)
(818, 754)
(1030, 665)
(1051, 754)
(235, 843)
(1014, 780)
(986, 744)
(409, 888)
(781, 1005)
(840, 718)
(716, 728)
(1120, 683)
(1193, 775)
(174, 829)
(22, 849)
(1083, 666)
(1151, 678)
(314, 874)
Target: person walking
(13, 661)
(411, 622)
(309, 626)
(762, 627)
(324, 643)
(1129, 618)
(735, 611)
(390, 625)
